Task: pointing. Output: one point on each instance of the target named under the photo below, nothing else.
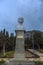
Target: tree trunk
(4, 49)
(38, 46)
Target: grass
(41, 50)
(9, 54)
(1, 62)
(39, 63)
(1, 55)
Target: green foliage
(41, 50)
(37, 37)
(10, 54)
(28, 42)
(1, 62)
(39, 62)
(1, 55)
(7, 42)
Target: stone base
(19, 60)
(19, 63)
(19, 56)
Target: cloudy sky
(30, 10)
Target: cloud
(31, 10)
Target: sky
(30, 10)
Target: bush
(1, 62)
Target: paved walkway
(36, 52)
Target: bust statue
(21, 20)
(20, 25)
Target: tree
(28, 42)
(7, 40)
(0, 40)
(37, 39)
(3, 40)
(12, 41)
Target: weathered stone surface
(19, 63)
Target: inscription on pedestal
(20, 37)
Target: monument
(19, 55)
(19, 49)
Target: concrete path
(36, 52)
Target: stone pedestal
(19, 49)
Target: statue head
(21, 20)
(20, 25)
